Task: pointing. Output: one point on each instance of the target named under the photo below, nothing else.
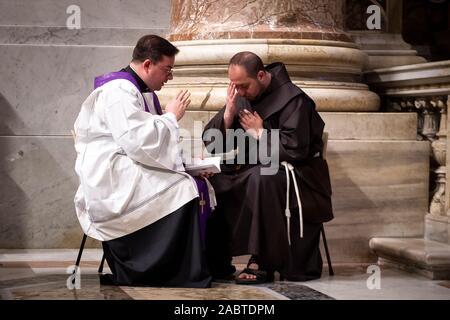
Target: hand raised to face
(230, 107)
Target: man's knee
(256, 177)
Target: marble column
(386, 46)
(260, 19)
(308, 36)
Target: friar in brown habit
(251, 216)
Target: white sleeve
(149, 139)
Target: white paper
(207, 165)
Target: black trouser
(218, 245)
(166, 253)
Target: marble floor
(46, 275)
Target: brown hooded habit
(250, 215)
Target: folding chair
(83, 241)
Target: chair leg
(80, 252)
(100, 268)
(330, 267)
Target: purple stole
(204, 208)
(101, 80)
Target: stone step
(437, 228)
(20, 255)
(427, 257)
(49, 258)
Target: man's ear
(260, 75)
(147, 64)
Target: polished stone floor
(45, 274)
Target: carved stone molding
(430, 110)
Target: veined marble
(36, 193)
(306, 35)
(437, 228)
(349, 283)
(206, 19)
(43, 87)
(94, 13)
(380, 188)
(326, 70)
(43, 35)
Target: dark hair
(250, 61)
(153, 47)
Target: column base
(328, 71)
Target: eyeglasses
(167, 70)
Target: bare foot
(244, 275)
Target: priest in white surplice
(134, 195)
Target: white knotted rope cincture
(287, 211)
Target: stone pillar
(385, 47)
(308, 36)
(260, 19)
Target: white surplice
(128, 162)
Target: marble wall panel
(370, 125)
(93, 13)
(380, 189)
(102, 22)
(193, 123)
(43, 87)
(42, 35)
(38, 184)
